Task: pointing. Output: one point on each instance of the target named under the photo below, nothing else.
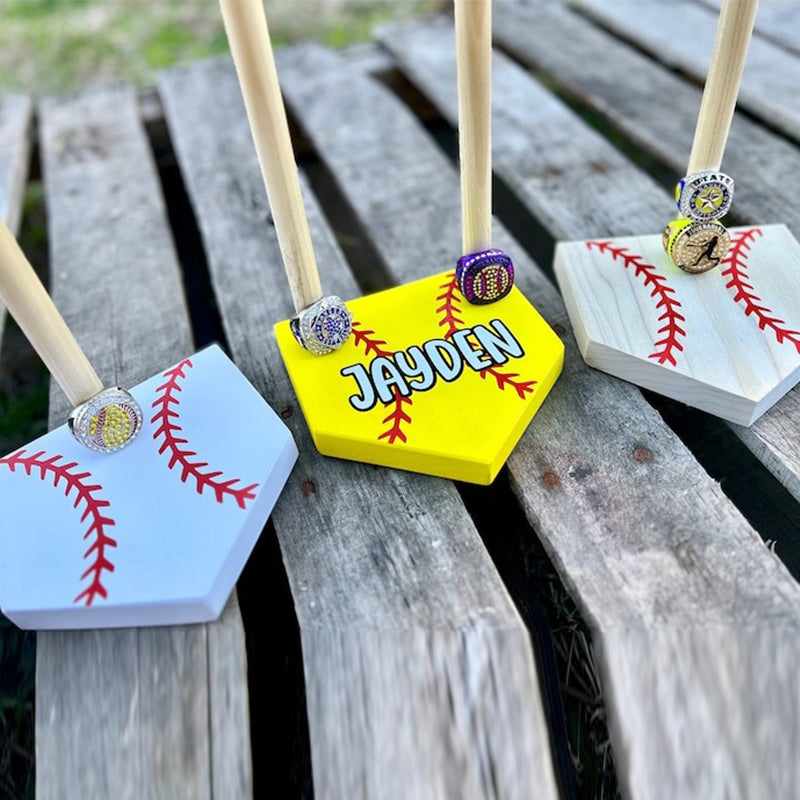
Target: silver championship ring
(106, 422)
(704, 196)
(322, 327)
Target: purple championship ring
(485, 277)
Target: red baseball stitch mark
(661, 289)
(84, 492)
(451, 321)
(744, 293)
(373, 345)
(166, 418)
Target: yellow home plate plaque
(428, 382)
(726, 341)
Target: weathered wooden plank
(368, 57)
(681, 35)
(127, 713)
(419, 676)
(16, 116)
(628, 88)
(644, 539)
(778, 20)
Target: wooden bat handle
(248, 36)
(734, 30)
(473, 20)
(31, 306)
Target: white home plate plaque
(157, 533)
(726, 341)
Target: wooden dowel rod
(31, 306)
(473, 20)
(734, 30)
(248, 36)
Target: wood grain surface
(628, 88)
(681, 35)
(777, 20)
(642, 537)
(473, 26)
(721, 88)
(128, 713)
(639, 317)
(251, 48)
(419, 675)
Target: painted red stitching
(450, 307)
(166, 418)
(670, 316)
(507, 378)
(84, 492)
(374, 346)
(745, 293)
(450, 311)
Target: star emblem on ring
(709, 199)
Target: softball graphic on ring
(485, 277)
(696, 246)
(704, 196)
(107, 422)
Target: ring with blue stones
(704, 196)
(323, 326)
(485, 277)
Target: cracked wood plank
(629, 89)
(137, 713)
(778, 20)
(419, 675)
(681, 36)
(645, 540)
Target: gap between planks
(759, 159)
(168, 717)
(405, 623)
(640, 554)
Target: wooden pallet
(420, 676)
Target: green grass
(56, 46)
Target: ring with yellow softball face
(704, 196)
(696, 246)
(106, 422)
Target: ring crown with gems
(322, 327)
(107, 422)
(485, 277)
(696, 246)
(704, 196)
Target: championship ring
(322, 327)
(485, 277)
(696, 246)
(704, 196)
(106, 422)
